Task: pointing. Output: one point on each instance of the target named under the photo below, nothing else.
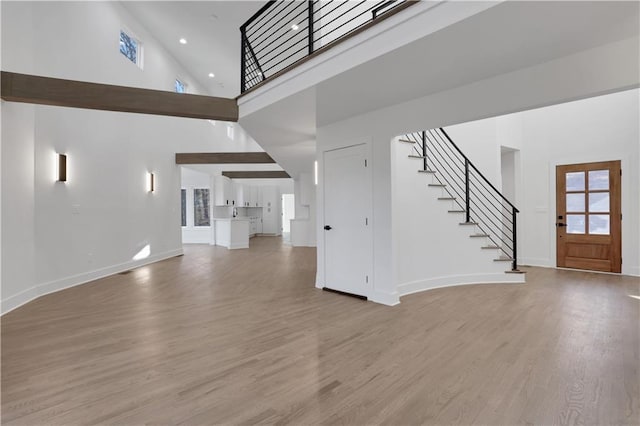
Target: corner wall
(56, 235)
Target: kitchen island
(231, 232)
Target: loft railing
(480, 201)
(282, 33)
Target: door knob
(327, 228)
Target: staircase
(464, 191)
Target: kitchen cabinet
(224, 191)
(253, 198)
(232, 233)
(241, 195)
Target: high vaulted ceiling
(211, 29)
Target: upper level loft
(282, 34)
(387, 52)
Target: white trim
(634, 272)
(39, 290)
(237, 246)
(389, 299)
(456, 280)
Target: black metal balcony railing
(282, 33)
(481, 202)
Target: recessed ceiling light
(183, 41)
(211, 75)
(294, 27)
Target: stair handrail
(478, 171)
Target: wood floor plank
(243, 337)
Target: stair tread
(503, 259)
(441, 185)
(478, 235)
(468, 223)
(406, 141)
(417, 156)
(426, 171)
(517, 271)
(446, 198)
(490, 247)
(456, 211)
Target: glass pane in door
(575, 223)
(575, 202)
(599, 224)
(598, 179)
(599, 202)
(575, 181)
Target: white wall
(18, 168)
(80, 41)
(57, 235)
(303, 226)
(598, 129)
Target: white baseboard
(535, 261)
(455, 280)
(39, 290)
(303, 244)
(238, 246)
(384, 298)
(632, 271)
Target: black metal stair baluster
(514, 267)
(310, 12)
(466, 189)
(424, 149)
(243, 37)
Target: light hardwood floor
(243, 337)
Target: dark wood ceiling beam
(223, 158)
(79, 94)
(270, 174)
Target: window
(201, 207)
(131, 48)
(180, 87)
(588, 203)
(183, 206)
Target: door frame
(551, 210)
(321, 270)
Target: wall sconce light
(151, 184)
(61, 175)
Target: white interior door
(347, 216)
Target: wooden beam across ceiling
(223, 158)
(265, 174)
(80, 94)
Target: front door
(588, 217)
(347, 215)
